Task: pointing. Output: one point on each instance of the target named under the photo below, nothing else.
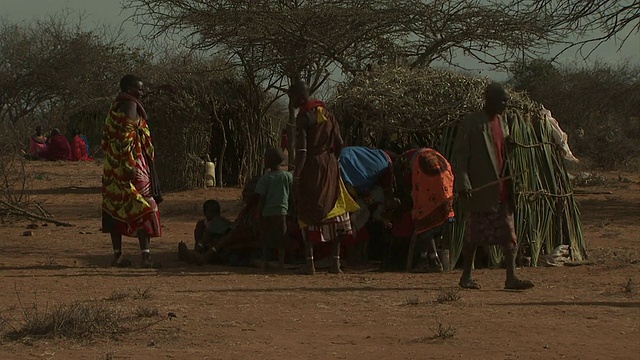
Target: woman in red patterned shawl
(130, 191)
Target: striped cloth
(329, 229)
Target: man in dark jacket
(483, 189)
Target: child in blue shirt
(274, 189)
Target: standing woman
(323, 204)
(130, 190)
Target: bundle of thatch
(404, 105)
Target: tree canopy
(303, 37)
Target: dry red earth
(584, 312)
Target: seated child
(212, 228)
(274, 189)
(207, 233)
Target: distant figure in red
(79, 147)
(58, 147)
(284, 140)
(37, 143)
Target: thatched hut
(393, 107)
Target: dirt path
(232, 313)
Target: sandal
(469, 284)
(428, 267)
(148, 264)
(305, 270)
(518, 284)
(121, 262)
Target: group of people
(333, 194)
(56, 147)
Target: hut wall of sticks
(209, 114)
(181, 136)
(214, 117)
(396, 107)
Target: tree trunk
(291, 135)
(223, 148)
(222, 151)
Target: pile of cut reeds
(546, 212)
(423, 106)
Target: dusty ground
(226, 313)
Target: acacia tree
(595, 22)
(280, 41)
(290, 37)
(491, 32)
(274, 42)
(54, 61)
(48, 68)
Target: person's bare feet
(430, 266)
(518, 284)
(120, 261)
(190, 256)
(306, 270)
(147, 263)
(469, 284)
(335, 266)
(183, 251)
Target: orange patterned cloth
(127, 197)
(432, 190)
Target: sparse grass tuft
(135, 294)
(412, 301)
(146, 312)
(110, 355)
(79, 321)
(422, 339)
(118, 295)
(50, 261)
(447, 296)
(444, 332)
(630, 287)
(3, 324)
(143, 294)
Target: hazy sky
(109, 12)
